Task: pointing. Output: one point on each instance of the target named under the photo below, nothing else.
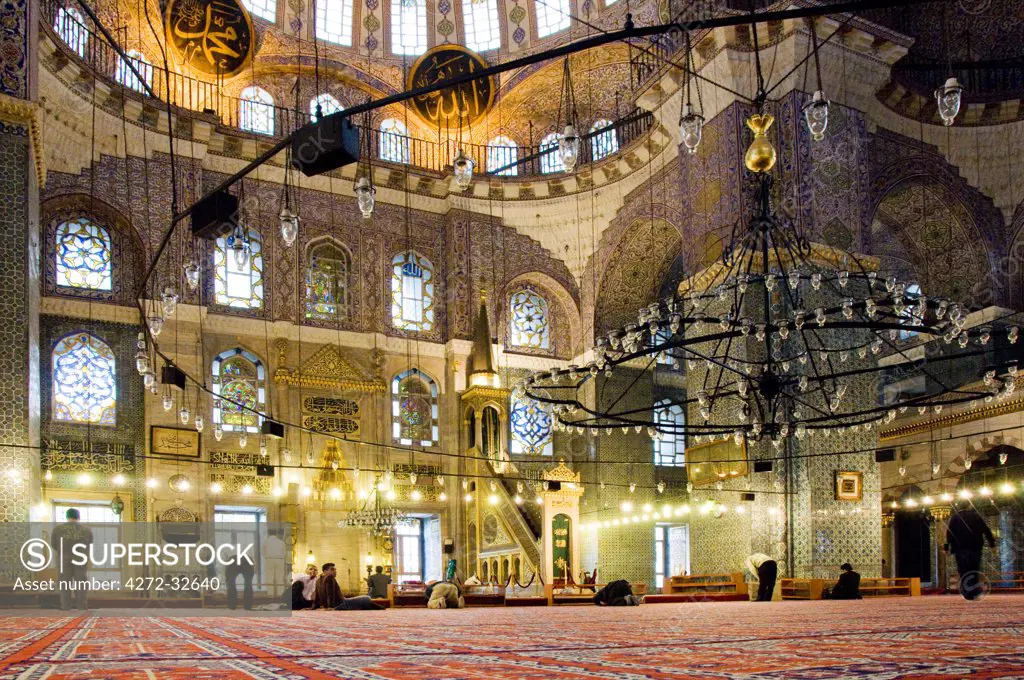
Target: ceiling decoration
(213, 37)
(454, 107)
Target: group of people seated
(766, 571)
(313, 591)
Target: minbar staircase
(524, 524)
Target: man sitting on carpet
(617, 594)
(444, 595)
(766, 570)
(304, 589)
(328, 594)
(847, 587)
(379, 583)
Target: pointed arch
(238, 283)
(238, 380)
(414, 409)
(412, 292)
(502, 154)
(329, 275)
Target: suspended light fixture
(375, 516)
(218, 431)
(463, 169)
(238, 243)
(948, 98)
(156, 324)
(569, 142)
(200, 422)
(691, 123)
(816, 110)
(141, 355)
(169, 301)
(289, 226)
(192, 274)
(184, 414)
(365, 196)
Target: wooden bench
(487, 594)
(581, 594)
(407, 594)
(703, 584)
(802, 588)
(812, 588)
(1006, 582)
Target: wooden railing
(207, 97)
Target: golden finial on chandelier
(760, 156)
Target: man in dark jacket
(965, 538)
(617, 594)
(848, 585)
(328, 594)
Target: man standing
(965, 538)
(379, 583)
(274, 551)
(766, 570)
(72, 578)
(242, 566)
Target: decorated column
(561, 554)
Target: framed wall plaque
(453, 107)
(213, 37)
(849, 486)
(174, 441)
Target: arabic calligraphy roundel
(213, 37)
(452, 107)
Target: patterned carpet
(921, 638)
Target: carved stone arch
(564, 315)
(128, 254)
(351, 282)
(1015, 259)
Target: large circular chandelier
(375, 517)
(781, 337)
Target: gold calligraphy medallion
(214, 37)
(452, 107)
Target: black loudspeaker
(554, 486)
(762, 466)
(264, 470)
(215, 215)
(325, 145)
(272, 428)
(885, 455)
(449, 546)
(746, 496)
(172, 375)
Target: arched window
(670, 449)
(409, 27)
(604, 142)
(84, 380)
(264, 9)
(552, 16)
(239, 389)
(70, 26)
(550, 161)
(480, 18)
(239, 282)
(256, 111)
(394, 141)
(414, 409)
(327, 103)
(912, 314)
(327, 282)
(83, 254)
(125, 76)
(529, 320)
(334, 21)
(531, 428)
(502, 153)
(412, 292)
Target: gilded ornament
(760, 156)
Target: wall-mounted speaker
(449, 546)
(885, 455)
(264, 470)
(554, 486)
(762, 466)
(746, 496)
(327, 144)
(215, 215)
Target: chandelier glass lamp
(569, 142)
(463, 169)
(375, 516)
(691, 123)
(783, 338)
(816, 110)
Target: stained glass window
(409, 27)
(502, 152)
(234, 285)
(412, 292)
(414, 409)
(239, 390)
(125, 76)
(603, 142)
(83, 255)
(84, 380)
(670, 449)
(530, 324)
(483, 31)
(334, 21)
(328, 105)
(256, 111)
(70, 26)
(327, 278)
(394, 141)
(531, 428)
(552, 16)
(550, 161)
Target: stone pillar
(941, 570)
(21, 173)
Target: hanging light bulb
(243, 439)
(661, 486)
(169, 301)
(365, 196)
(156, 324)
(141, 357)
(948, 99)
(263, 449)
(168, 399)
(816, 115)
(286, 455)
(239, 245)
(192, 274)
(184, 414)
(691, 127)
(463, 169)
(218, 432)
(569, 147)
(967, 463)
(289, 226)
(149, 379)
(1003, 458)
(200, 422)
(48, 476)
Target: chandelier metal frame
(375, 516)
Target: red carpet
(921, 638)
